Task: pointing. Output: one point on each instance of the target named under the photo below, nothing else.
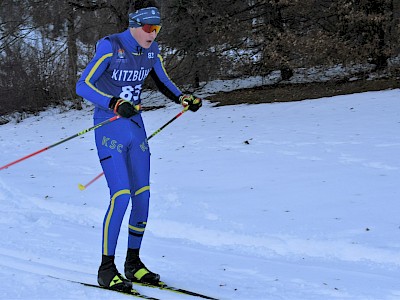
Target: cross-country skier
(113, 81)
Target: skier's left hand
(191, 102)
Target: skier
(113, 81)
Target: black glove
(122, 107)
(191, 102)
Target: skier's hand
(191, 102)
(122, 107)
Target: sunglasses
(150, 28)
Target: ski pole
(82, 187)
(60, 142)
(166, 124)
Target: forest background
(45, 45)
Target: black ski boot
(136, 271)
(109, 277)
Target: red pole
(82, 187)
(60, 142)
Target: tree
(366, 24)
(45, 44)
(184, 35)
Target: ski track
(299, 209)
(276, 246)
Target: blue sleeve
(85, 86)
(163, 82)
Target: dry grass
(297, 92)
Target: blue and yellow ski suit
(119, 69)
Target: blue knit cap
(148, 15)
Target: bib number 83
(131, 93)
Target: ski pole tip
(81, 187)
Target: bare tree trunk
(72, 57)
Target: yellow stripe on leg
(109, 215)
(143, 189)
(136, 228)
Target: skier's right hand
(122, 107)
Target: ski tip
(81, 187)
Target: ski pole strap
(138, 107)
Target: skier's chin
(147, 44)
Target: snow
(295, 200)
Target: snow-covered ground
(292, 200)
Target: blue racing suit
(119, 69)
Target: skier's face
(144, 38)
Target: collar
(131, 43)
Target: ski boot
(109, 277)
(136, 271)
